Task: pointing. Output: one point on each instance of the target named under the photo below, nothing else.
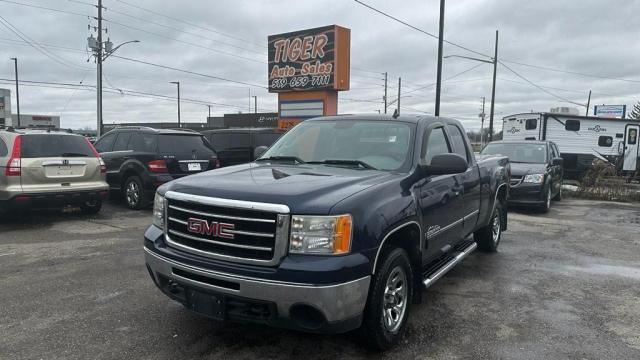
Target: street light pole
(209, 106)
(439, 74)
(15, 61)
(99, 71)
(255, 106)
(178, 83)
(493, 89)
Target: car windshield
(518, 152)
(383, 145)
(52, 145)
(172, 144)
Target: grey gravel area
(564, 285)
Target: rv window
(606, 141)
(572, 125)
(632, 137)
(531, 124)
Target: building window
(572, 125)
(606, 141)
(531, 124)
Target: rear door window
(105, 143)
(51, 145)
(122, 142)
(173, 144)
(265, 139)
(221, 141)
(141, 142)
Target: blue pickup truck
(339, 225)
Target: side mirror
(258, 151)
(445, 164)
(557, 161)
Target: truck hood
(306, 189)
(522, 169)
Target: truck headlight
(534, 178)
(158, 211)
(321, 235)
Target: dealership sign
(311, 59)
(610, 111)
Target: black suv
(139, 159)
(237, 146)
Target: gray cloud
(582, 36)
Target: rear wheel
(134, 193)
(488, 238)
(390, 294)
(91, 207)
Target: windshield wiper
(344, 162)
(282, 158)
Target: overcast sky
(228, 39)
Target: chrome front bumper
(336, 302)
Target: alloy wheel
(394, 304)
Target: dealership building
(8, 118)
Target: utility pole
(482, 115)
(439, 74)
(385, 92)
(493, 89)
(15, 61)
(255, 106)
(209, 106)
(586, 114)
(178, 84)
(99, 71)
(399, 86)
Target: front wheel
(558, 196)
(547, 200)
(488, 237)
(387, 309)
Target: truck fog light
(158, 211)
(321, 235)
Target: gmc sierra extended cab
(339, 225)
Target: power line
(570, 72)
(447, 79)
(188, 23)
(540, 87)
(188, 71)
(45, 8)
(42, 50)
(185, 32)
(420, 30)
(184, 42)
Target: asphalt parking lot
(564, 285)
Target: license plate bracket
(194, 167)
(212, 305)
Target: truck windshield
(381, 145)
(518, 152)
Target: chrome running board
(455, 258)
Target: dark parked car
(237, 146)
(340, 224)
(536, 171)
(139, 159)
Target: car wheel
(91, 207)
(134, 193)
(488, 237)
(547, 200)
(390, 294)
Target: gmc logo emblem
(211, 228)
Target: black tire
(379, 334)
(546, 205)
(488, 237)
(558, 196)
(91, 207)
(133, 193)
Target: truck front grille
(225, 229)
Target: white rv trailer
(579, 138)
